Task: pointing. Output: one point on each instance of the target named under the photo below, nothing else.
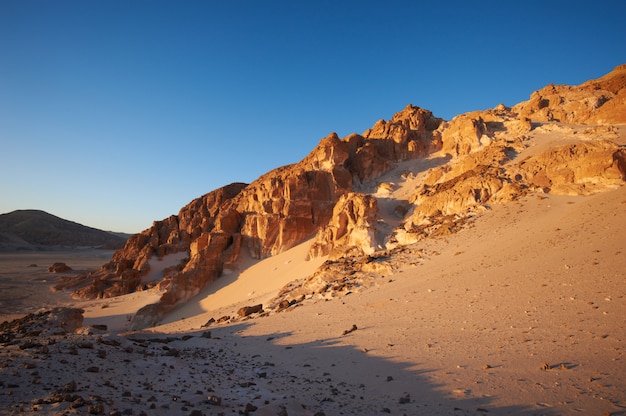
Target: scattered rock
(91, 330)
(405, 399)
(249, 310)
(214, 400)
(209, 323)
(347, 331)
(59, 268)
(55, 320)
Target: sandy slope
(537, 281)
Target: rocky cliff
(333, 195)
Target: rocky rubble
(58, 320)
(197, 373)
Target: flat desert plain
(25, 282)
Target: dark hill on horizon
(32, 229)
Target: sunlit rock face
(352, 228)
(332, 195)
(599, 101)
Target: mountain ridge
(33, 229)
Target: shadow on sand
(331, 378)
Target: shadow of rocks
(219, 371)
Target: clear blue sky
(117, 113)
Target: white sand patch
(117, 312)
(158, 265)
(258, 283)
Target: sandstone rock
(317, 196)
(249, 310)
(149, 316)
(276, 212)
(576, 169)
(475, 187)
(408, 135)
(352, 226)
(597, 101)
(170, 235)
(465, 134)
(59, 268)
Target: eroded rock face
(464, 134)
(351, 228)
(276, 212)
(288, 205)
(575, 169)
(410, 133)
(597, 101)
(471, 132)
(476, 187)
(123, 274)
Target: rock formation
(352, 228)
(59, 268)
(123, 274)
(333, 194)
(599, 101)
(576, 169)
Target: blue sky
(114, 114)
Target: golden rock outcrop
(333, 194)
(352, 228)
(598, 101)
(575, 169)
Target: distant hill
(34, 229)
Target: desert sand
(523, 311)
(25, 282)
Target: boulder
(249, 310)
(59, 268)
